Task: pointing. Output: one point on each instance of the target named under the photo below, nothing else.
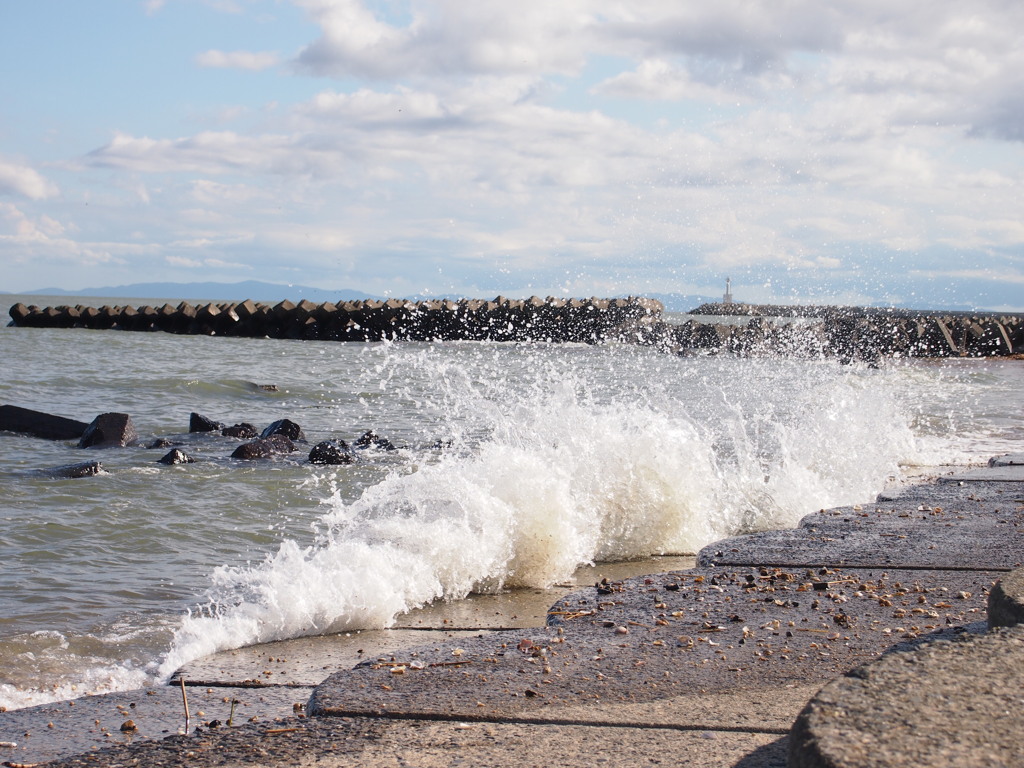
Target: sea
(515, 465)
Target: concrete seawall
(848, 333)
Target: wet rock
(176, 457)
(331, 452)
(199, 423)
(264, 448)
(39, 424)
(286, 428)
(244, 431)
(371, 439)
(82, 469)
(109, 430)
(161, 442)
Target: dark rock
(199, 423)
(83, 469)
(285, 427)
(26, 421)
(176, 457)
(331, 452)
(244, 431)
(162, 442)
(371, 439)
(264, 448)
(109, 430)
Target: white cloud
(181, 261)
(756, 35)
(21, 180)
(527, 179)
(448, 37)
(209, 263)
(661, 80)
(806, 136)
(31, 242)
(206, 152)
(252, 61)
(214, 192)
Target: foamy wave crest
(564, 478)
(48, 655)
(91, 682)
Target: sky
(814, 151)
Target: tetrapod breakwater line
(558, 320)
(849, 333)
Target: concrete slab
(269, 680)
(756, 710)
(942, 490)
(958, 525)
(952, 703)
(1001, 473)
(522, 608)
(1008, 460)
(920, 547)
(306, 661)
(368, 743)
(91, 723)
(665, 636)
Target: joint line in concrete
(553, 721)
(867, 567)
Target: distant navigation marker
(727, 299)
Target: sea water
(515, 464)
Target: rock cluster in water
(845, 332)
(116, 430)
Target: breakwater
(845, 332)
(500, 319)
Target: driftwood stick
(184, 700)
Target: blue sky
(848, 151)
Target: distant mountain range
(273, 293)
(248, 289)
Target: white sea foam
(49, 655)
(565, 477)
(93, 681)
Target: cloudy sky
(853, 151)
